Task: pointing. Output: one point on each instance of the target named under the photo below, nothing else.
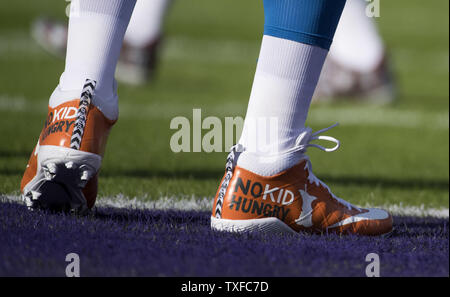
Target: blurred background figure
(138, 57)
(356, 68)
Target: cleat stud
(69, 165)
(48, 175)
(51, 167)
(35, 195)
(84, 175)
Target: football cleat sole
(50, 196)
(62, 175)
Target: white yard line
(19, 43)
(319, 115)
(415, 211)
(205, 204)
(379, 116)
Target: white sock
(96, 30)
(357, 44)
(146, 22)
(285, 80)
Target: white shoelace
(304, 139)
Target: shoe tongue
(301, 167)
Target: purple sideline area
(125, 242)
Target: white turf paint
(205, 204)
(319, 115)
(19, 43)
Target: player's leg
(357, 65)
(62, 170)
(268, 183)
(137, 63)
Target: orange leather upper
(59, 126)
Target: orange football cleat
(293, 200)
(62, 171)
